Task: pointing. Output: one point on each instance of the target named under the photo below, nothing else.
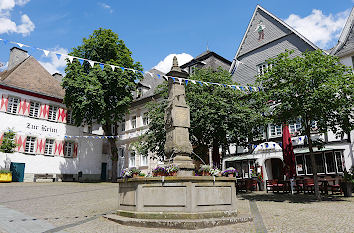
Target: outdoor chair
(309, 185)
(335, 188)
(270, 185)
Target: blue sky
(156, 28)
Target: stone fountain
(185, 200)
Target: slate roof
(345, 43)
(203, 56)
(151, 82)
(30, 75)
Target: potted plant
(204, 170)
(141, 175)
(5, 175)
(135, 172)
(159, 171)
(229, 172)
(126, 173)
(347, 183)
(214, 172)
(172, 170)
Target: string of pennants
(93, 137)
(113, 67)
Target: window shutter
(58, 148)
(61, 115)
(21, 143)
(24, 107)
(1, 137)
(4, 102)
(44, 111)
(75, 150)
(40, 146)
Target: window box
(5, 177)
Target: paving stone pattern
(78, 207)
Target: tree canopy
(97, 95)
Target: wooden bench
(44, 177)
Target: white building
(31, 106)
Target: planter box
(5, 177)
(347, 189)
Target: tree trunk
(216, 156)
(114, 151)
(313, 162)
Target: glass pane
(308, 164)
(339, 161)
(320, 163)
(300, 166)
(330, 163)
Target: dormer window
(263, 68)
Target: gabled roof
(204, 56)
(31, 76)
(152, 82)
(344, 45)
(285, 25)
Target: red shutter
(61, 115)
(59, 148)
(21, 143)
(75, 150)
(40, 146)
(24, 107)
(44, 111)
(4, 102)
(1, 137)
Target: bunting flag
(113, 67)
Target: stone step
(189, 224)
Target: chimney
(17, 56)
(58, 76)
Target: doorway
(104, 172)
(18, 171)
(277, 169)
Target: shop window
(330, 162)
(300, 166)
(308, 164)
(239, 169)
(320, 163)
(13, 104)
(49, 147)
(245, 169)
(52, 113)
(68, 149)
(34, 109)
(339, 161)
(30, 144)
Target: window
(145, 119)
(12, 105)
(30, 142)
(308, 165)
(69, 117)
(320, 163)
(139, 92)
(68, 149)
(296, 127)
(52, 114)
(330, 162)
(263, 68)
(49, 146)
(300, 166)
(133, 122)
(123, 126)
(275, 130)
(132, 159)
(143, 160)
(339, 161)
(34, 109)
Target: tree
(220, 116)
(101, 96)
(8, 142)
(312, 88)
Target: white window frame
(13, 105)
(277, 129)
(123, 126)
(263, 68)
(144, 160)
(30, 145)
(69, 149)
(305, 161)
(338, 153)
(324, 163)
(133, 122)
(295, 127)
(49, 147)
(145, 119)
(334, 157)
(132, 161)
(52, 113)
(34, 109)
(303, 165)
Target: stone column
(177, 123)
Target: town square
(247, 125)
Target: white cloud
(106, 6)
(323, 30)
(51, 62)
(166, 64)
(9, 26)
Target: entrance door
(18, 171)
(104, 172)
(277, 169)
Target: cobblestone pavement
(77, 207)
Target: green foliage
(219, 115)
(313, 87)
(349, 176)
(8, 144)
(96, 95)
(5, 171)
